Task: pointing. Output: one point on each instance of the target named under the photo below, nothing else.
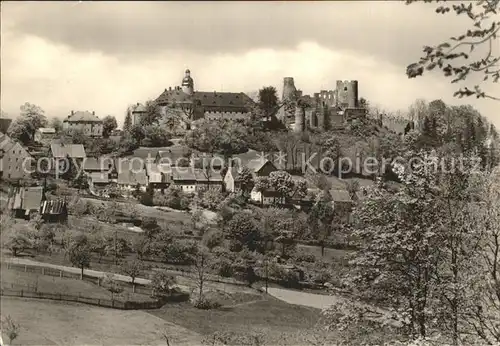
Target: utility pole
(115, 246)
(267, 274)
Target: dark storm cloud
(389, 30)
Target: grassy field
(276, 321)
(17, 280)
(61, 323)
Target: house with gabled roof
(258, 168)
(55, 210)
(98, 164)
(138, 112)
(62, 151)
(85, 121)
(25, 202)
(130, 174)
(15, 161)
(208, 179)
(185, 178)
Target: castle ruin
(326, 109)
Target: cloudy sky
(99, 56)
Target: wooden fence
(139, 288)
(107, 303)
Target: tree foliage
(109, 124)
(473, 52)
(23, 128)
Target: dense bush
(283, 276)
(205, 304)
(302, 256)
(213, 239)
(211, 199)
(173, 198)
(179, 252)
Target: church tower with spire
(188, 83)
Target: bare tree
(11, 328)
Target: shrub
(302, 256)
(283, 276)
(173, 198)
(211, 199)
(205, 304)
(213, 239)
(179, 252)
(224, 267)
(162, 284)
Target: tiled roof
(223, 101)
(97, 164)
(53, 207)
(210, 101)
(154, 173)
(123, 165)
(82, 116)
(256, 165)
(60, 150)
(139, 108)
(173, 95)
(98, 177)
(26, 198)
(143, 152)
(183, 174)
(132, 178)
(207, 175)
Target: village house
(158, 175)
(98, 182)
(184, 178)
(137, 113)
(45, 135)
(130, 174)
(208, 179)
(267, 197)
(54, 211)
(15, 161)
(98, 165)
(60, 152)
(85, 121)
(207, 161)
(258, 168)
(25, 202)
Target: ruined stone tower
(347, 94)
(289, 90)
(188, 83)
(289, 97)
(300, 119)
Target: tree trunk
(81, 275)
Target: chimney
(72, 112)
(165, 89)
(93, 112)
(137, 103)
(169, 89)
